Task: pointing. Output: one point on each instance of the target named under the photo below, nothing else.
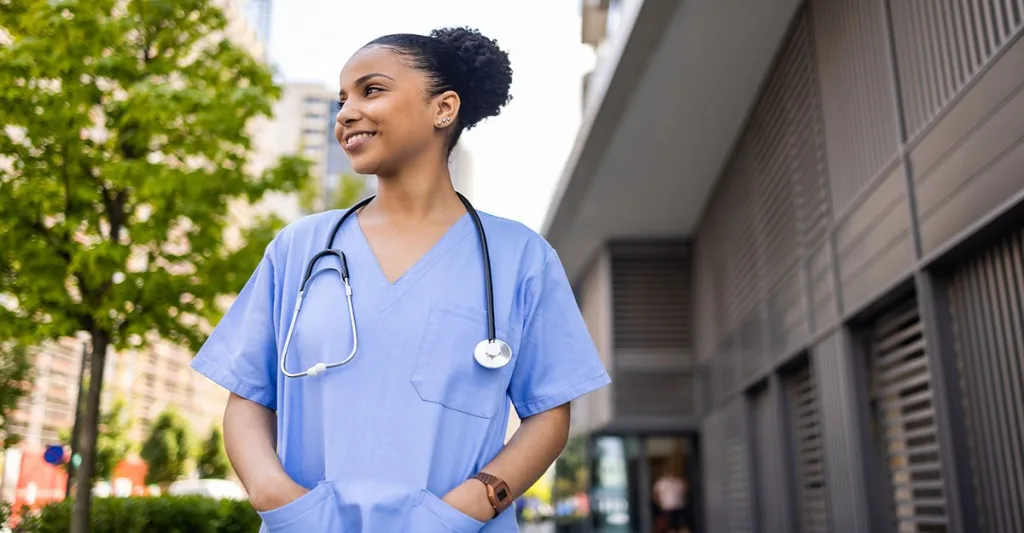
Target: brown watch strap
(498, 492)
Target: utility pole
(78, 415)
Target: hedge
(164, 514)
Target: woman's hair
(460, 60)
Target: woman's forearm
(250, 438)
(528, 454)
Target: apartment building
(796, 229)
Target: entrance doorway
(644, 483)
(669, 461)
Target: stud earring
(444, 121)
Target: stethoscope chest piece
(492, 353)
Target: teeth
(358, 137)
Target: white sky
(518, 156)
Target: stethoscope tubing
(319, 368)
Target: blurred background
(795, 229)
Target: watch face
(502, 494)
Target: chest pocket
(446, 372)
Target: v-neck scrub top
(381, 440)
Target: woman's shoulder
(511, 234)
(304, 231)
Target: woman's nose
(348, 115)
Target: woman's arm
(528, 454)
(250, 440)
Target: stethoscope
(489, 353)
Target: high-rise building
(259, 14)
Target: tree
(123, 165)
(167, 449)
(112, 443)
(15, 368)
(213, 461)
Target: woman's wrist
(470, 498)
(274, 492)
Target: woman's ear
(446, 108)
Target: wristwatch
(497, 491)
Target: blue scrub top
(379, 441)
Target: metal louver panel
(651, 298)
(941, 45)
(651, 315)
(773, 190)
(712, 458)
(642, 393)
(810, 166)
(856, 93)
(904, 420)
(751, 346)
(705, 295)
(987, 300)
(808, 451)
(771, 487)
(742, 260)
(737, 473)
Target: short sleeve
(240, 354)
(558, 361)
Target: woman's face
(385, 118)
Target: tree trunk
(88, 429)
(78, 419)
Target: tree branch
(59, 246)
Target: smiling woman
(429, 320)
(465, 75)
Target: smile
(356, 139)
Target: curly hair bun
(488, 76)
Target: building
(796, 231)
(303, 124)
(258, 14)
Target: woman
(408, 435)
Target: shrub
(164, 514)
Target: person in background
(670, 496)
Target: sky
(517, 157)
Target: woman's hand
(275, 495)
(470, 498)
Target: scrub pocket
(446, 371)
(431, 514)
(317, 510)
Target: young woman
(382, 405)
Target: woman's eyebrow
(366, 78)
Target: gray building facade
(796, 230)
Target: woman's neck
(418, 192)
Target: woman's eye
(341, 103)
(371, 90)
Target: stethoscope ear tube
(485, 252)
(343, 270)
(490, 353)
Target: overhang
(668, 104)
